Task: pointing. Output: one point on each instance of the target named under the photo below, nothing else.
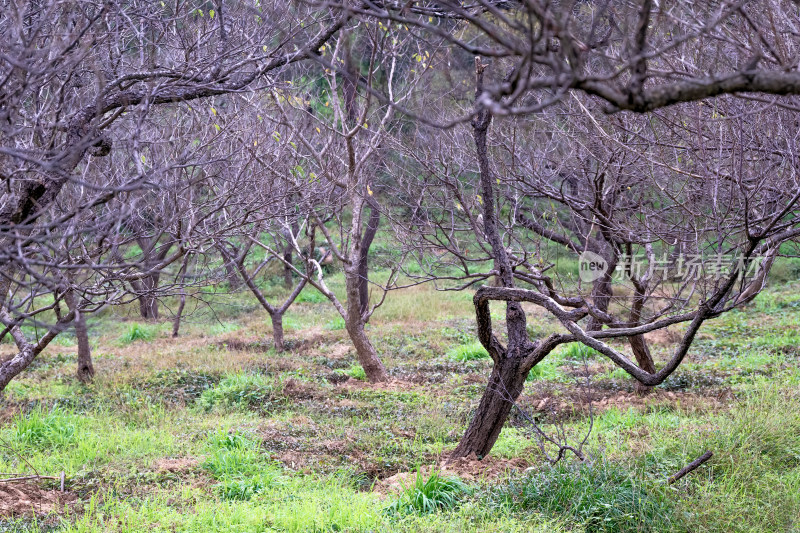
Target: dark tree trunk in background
(147, 286)
(85, 370)
(229, 263)
(148, 304)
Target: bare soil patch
(20, 499)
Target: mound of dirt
(17, 499)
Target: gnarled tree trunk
(505, 385)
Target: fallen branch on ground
(688, 468)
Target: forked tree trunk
(504, 387)
(644, 360)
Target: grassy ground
(213, 431)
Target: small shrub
(45, 429)
(240, 391)
(598, 497)
(138, 332)
(431, 494)
(355, 372)
(468, 352)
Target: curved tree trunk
(638, 344)
(504, 387)
(354, 323)
(644, 360)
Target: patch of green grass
(239, 391)
(575, 351)
(310, 295)
(139, 332)
(54, 428)
(467, 352)
(354, 371)
(598, 497)
(430, 494)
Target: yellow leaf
(255, 143)
(369, 190)
(318, 130)
(480, 200)
(214, 111)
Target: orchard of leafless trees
(151, 149)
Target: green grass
(429, 494)
(139, 332)
(598, 497)
(262, 454)
(238, 391)
(467, 352)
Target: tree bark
(638, 343)
(176, 322)
(354, 323)
(85, 370)
(506, 380)
(504, 387)
(148, 305)
(277, 330)
(363, 260)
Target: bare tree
(76, 79)
(632, 191)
